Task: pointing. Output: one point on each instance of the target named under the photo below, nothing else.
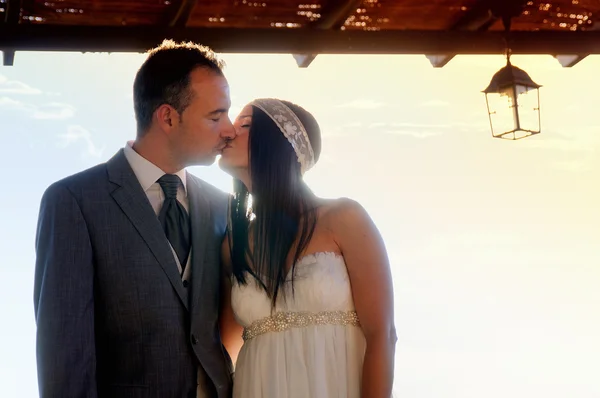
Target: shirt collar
(147, 172)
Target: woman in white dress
(307, 285)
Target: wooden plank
(478, 19)
(180, 15)
(334, 18)
(12, 12)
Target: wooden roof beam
(12, 15)
(333, 18)
(478, 18)
(8, 57)
(570, 60)
(40, 37)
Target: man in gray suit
(127, 274)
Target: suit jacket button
(186, 283)
(194, 339)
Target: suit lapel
(133, 201)
(201, 221)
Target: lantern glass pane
(529, 108)
(502, 111)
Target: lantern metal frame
(510, 78)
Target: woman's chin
(225, 165)
(222, 162)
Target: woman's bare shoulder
(338, 207)
(339, 213)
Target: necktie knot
(169, 184)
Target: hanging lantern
(512, 98)
(513, 103)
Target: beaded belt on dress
(282, 321)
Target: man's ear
(166, 117)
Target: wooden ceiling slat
(370, 15)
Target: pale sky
(495, 245)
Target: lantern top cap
(509, 76)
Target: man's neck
(157, 154)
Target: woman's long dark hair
(282, 210)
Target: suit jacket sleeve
(64, 299)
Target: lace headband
(291, 127)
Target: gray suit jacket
(114, 318)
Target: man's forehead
(210, 89)
(207, 77)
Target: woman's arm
(369, 270)
(231, 331)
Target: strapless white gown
(311, 346)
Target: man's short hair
(164, 78)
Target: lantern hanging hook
(506, 21)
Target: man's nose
(228, 131)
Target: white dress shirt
(148, 174)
